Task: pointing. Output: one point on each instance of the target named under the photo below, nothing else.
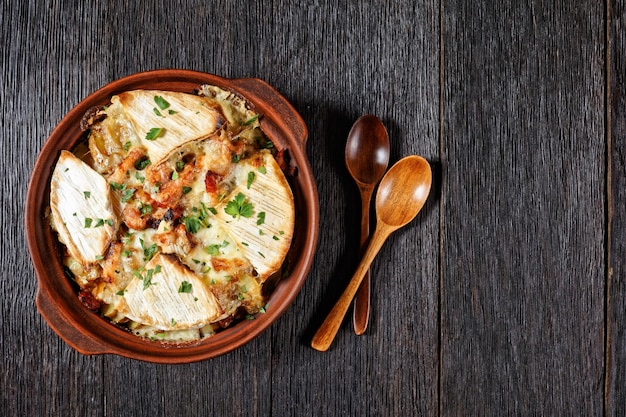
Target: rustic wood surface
(507, 294)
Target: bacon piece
(211, 180)
(87, 298)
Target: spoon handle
(361, 311)
(328, 330)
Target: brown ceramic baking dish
(88, 332)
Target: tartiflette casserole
(175, 217)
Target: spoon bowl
(367, 157)
(401, 195)
(403, 191)
(367, 150)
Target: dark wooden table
(506, 296)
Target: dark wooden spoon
(367, 157)
(400, 197)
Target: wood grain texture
(523, 205)
(495, 300)
(616, 288)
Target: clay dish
(57, 299)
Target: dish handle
(64, 329)
(269, 102)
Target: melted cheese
(175, 200)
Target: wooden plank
(523, 206)
(616, 289)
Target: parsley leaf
(141, 164)
(185, 287)
(147, 279)
(148, 251)
(161, 102)
(146, 209)
(250, 178)
(117, 186)
(260, 218)
(213, 250)
(127, 194)
(251, 120)
(154, 133)
(239, 207)
(192, 224)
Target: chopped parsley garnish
(126, 253)
(99, 223)
(275, 237)
(145, 209)
(88, 221)
(161, 102)
(235, 158)
(148, 251)
(120, 292)
(147, 279)
(87, 194)
(154, 133)
(186, 190)
(213, 250)
(262, 169)
(174, 175)
(157, 112)
(117, 186)
(180, 165)
(127, 194)
(192, 224)
(260, 218)
(127, 146)
(251, 120)
(250, 178)
(141, 164)
(185, 287)
(239, 207)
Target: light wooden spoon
(400, 197)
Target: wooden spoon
(401, 195)
(367, 156)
